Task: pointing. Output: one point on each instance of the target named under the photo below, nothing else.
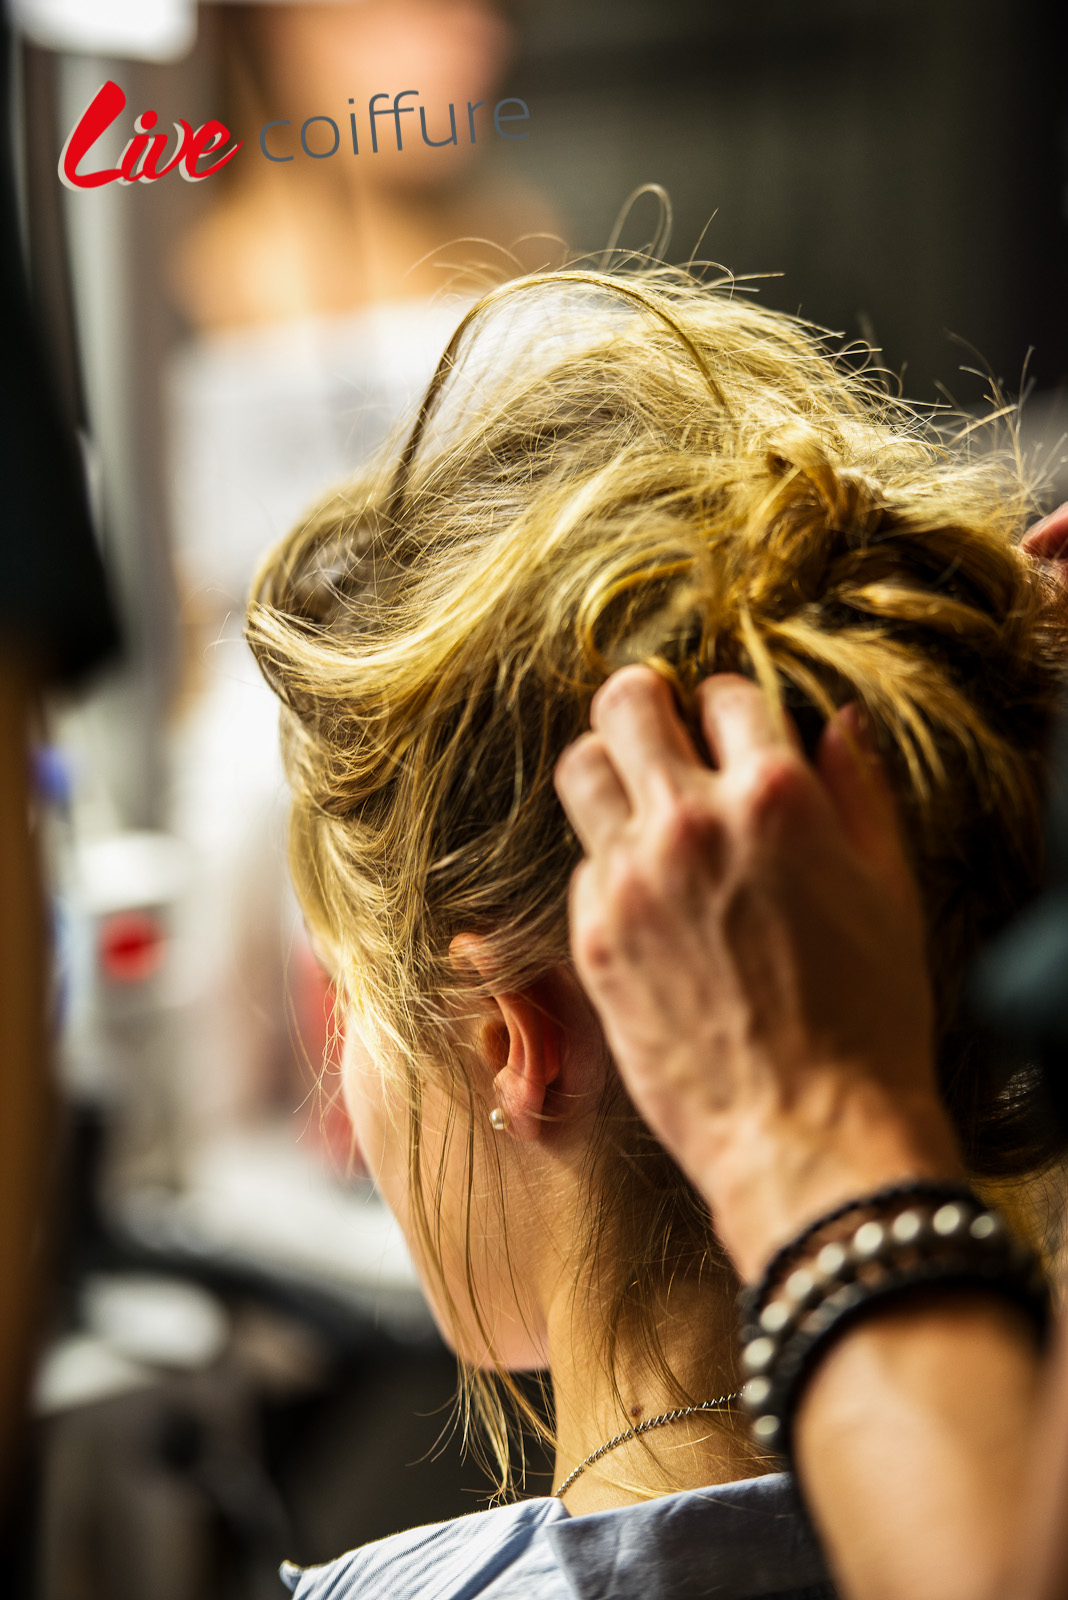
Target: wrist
(768, 1173)
(875, 1249)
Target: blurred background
(235, 1363)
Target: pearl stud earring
(498, 1119)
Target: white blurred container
(118, 1044)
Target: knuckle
(632, 890)
(594, 952)
(774, 787)
(688, 831)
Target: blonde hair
(610, 468)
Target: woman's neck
(696, 1334)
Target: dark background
(902, 164)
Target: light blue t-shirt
(736, 1541)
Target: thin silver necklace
(642, 1427)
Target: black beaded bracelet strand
(753, 1296)
(956, 1244)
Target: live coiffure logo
(198, 153)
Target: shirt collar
(735, 1541)
(738, 1540)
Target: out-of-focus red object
(131, 946)
(320, 1040)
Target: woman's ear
(533, 1063)
(527, 1039)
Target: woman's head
(614, 469)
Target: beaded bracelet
(923, 1235)
(909, 1189)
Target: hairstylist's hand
(1048, 541)
(752, 939)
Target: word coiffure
(396, 110)
(198, 153)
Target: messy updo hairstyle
(614, 468)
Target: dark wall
(901, 165)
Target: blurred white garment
(262, 422)
(264, 419)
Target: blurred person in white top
(318, 294)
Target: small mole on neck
(635, 1412)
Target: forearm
(913, 1435)
(912, 1441)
